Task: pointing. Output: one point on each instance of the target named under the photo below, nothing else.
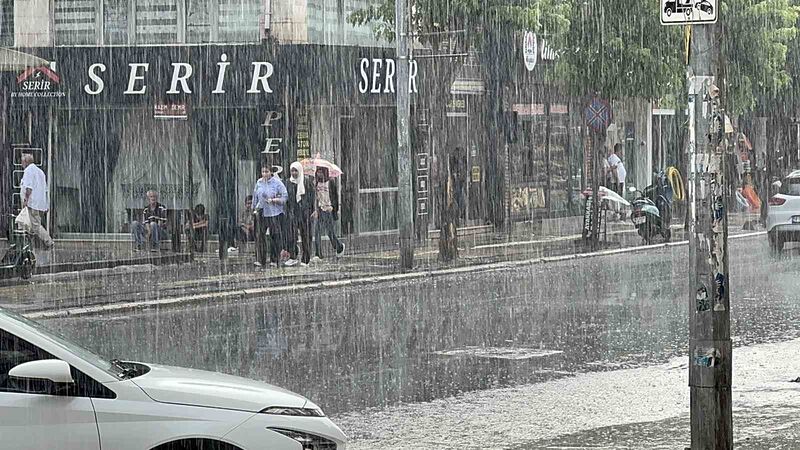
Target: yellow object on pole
(676, 181)
(687, 43)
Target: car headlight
(287, 411)
(306, 440)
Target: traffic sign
(598, 115)
(684, 12)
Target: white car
(783, 213)
(56, 395)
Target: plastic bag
(23, 220)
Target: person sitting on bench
(197, 230)
(153, 224)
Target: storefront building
(194, 123)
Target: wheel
(775, 243)
(669, 12)
(26, 268)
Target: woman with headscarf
(299, 208)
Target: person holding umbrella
(326, 211)
(270, 198)
(299, 208)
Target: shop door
(370, 187)
(27, 132)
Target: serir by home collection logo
(38, 82)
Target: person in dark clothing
(299, 208)
(326, 211)
(197, 230)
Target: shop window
(75, 22)
(7, 23)
(115, 20)
(156, 21)
(238, 20)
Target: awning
(14, 61)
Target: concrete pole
(710, 354)
(405, 200)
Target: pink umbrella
(310, 166)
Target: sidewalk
(208, 279)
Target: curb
(244, 294)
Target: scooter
(19, 258)
(652, 209)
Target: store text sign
(262, 71)
(378, 76)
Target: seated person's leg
(137, 232)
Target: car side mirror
(53, 370)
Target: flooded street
(355, 350)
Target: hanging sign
(530, 50)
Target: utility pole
(710, 354)
(405, 201)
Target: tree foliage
(619, 49)
(754, 44)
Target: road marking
(242, 294)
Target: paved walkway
(208, 278)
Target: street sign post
(598, 117)
(687, 12)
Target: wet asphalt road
(355, 348)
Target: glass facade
(7, 23)
(115, 22)
(75, 22)
(238, 20)
(156, 21)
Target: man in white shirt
(33, 191)
(616, 166)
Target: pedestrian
(619, 173)
(299, 208)
(326, 211)
(33, 192)
(270, 199)
(197, 228)
(152, 226)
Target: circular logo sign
(530, 50)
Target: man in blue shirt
(269, 199)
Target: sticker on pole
(684, 12)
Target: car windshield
(80, 352)
(790, 186)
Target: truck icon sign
(677, 6)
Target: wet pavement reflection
(352, 348)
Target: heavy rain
(399, 224)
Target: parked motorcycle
(651, 209)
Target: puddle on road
(515, 354)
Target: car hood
(214, 390)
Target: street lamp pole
(405, 201)
(710, 353)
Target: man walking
(326, 212)
(618, 174)
(153, 224)
(270, 199)
(33, 192)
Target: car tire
(669, 12)
(196, 444)
(775, 243)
